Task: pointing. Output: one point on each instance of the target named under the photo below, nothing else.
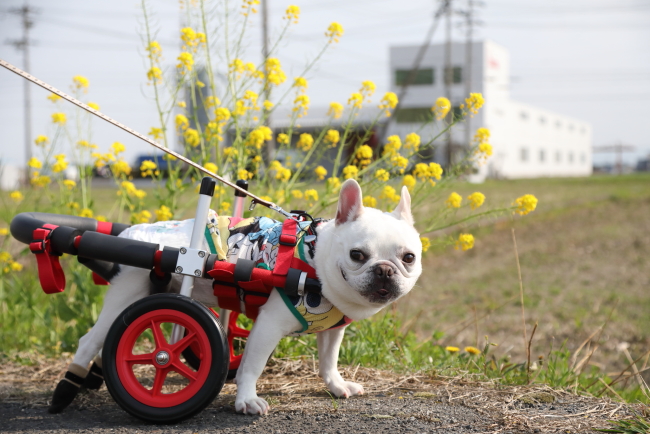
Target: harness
(271, 255)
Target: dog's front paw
(345, 389)
(252, 405)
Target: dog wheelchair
(193, 346)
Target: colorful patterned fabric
(257, 239)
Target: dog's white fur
(350, 285)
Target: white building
(527, 141)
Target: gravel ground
(414, 403)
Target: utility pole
(618, 148)
(25, 13)
(448, 78)
(266, 115)
(467, 74)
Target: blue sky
(589, 59)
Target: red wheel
(150, 378)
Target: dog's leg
(273, 323)
(127, 287)
(329, 343)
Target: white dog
(364, 258)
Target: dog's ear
(403, 209)
(350, 202)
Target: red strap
(288, 241)
(157, 257)
(50, 272)
(99, 280)
(104, 227)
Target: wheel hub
(162, 358)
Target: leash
(255, 199)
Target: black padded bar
(23, 225)
(169, 259)
(241, 183)
(208, 185)
(313, 285)
(292, 282)
(243, 270)
(159, 284)
(135, 253)
(63, 239)
(105, 270)
(209, 263)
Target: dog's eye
(357, 255)
(409, 258)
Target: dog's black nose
(384, 271)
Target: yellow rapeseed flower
(399, 162)
(333, 184)
(34, 163)
(4, 232)
(485, 149)
(389, 193)
(283, 174)
(474, 102)
(482, 135)
(163, 213)
(412, 141)
(73, 205)
(154, 74)
(182, 122)
(435, 170)
(441, 108)
(156, 133)
(141, 217)
(147, 168)
(382, 175)
(364, 152)
(388, 102)
(60, 164)
(292, 14)
(268, 105)
(15, 266)
(332, 137)
(16, 196)
(192, 137)
(297, 194)
(211, 101)
(368, 88)
(121, 167)
(454, 200)
(350, 172)
(320, 172)
(244, 174)
(356, 100)
(93, 105)
(283, 139)
(369, 201)
(476, 199)
(41, 140)
(155, 51)
(306, 142)
(80, 82)
(69, 184)
(59, 118)
(452, 349)
(525, 204)
(392, 146)
(311, 194)
(473, 350)
(300, 83)
(222, 114)
(334, 32)
(53, 97)
(86, 212)
(301, 105)
(426, 243)
(465, 241)
(117, 148)
(409, 181)
(211, 167)
(185, 60)
(273, 70)
(335, 110)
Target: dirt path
(397, 404)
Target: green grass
(583, 254)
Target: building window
(542, 155)
(454, 75)
(413, 115)
(524, 154)
(423, 76)
(523, 115)
(570, 157)
(558, 156)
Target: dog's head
(367, 258)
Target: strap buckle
(288, 240)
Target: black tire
(214, 340)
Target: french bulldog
(364, 258)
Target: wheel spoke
(158, 382)
(140, 359)
(180, 346)
(158, 335)
(184, 371)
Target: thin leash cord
(140, 136)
